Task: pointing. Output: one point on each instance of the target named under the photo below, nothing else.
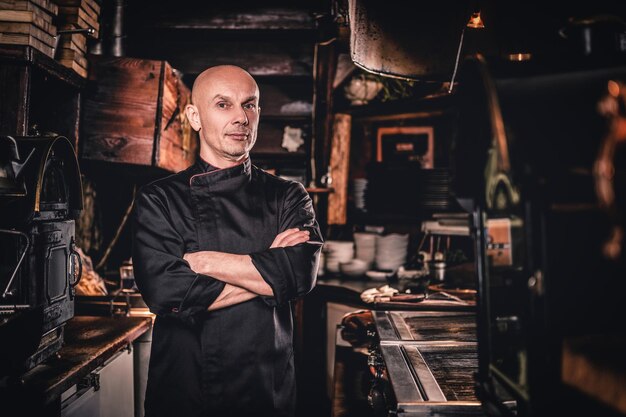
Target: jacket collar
(204, 173)
(204, 166)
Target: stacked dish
(353, 268)
(365, 247)
(337, 251)
(358, 190)
(391, 251)
(378, 275)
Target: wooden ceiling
(269, 38)
(277, 38)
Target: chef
(220, 250)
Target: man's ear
(193, 116)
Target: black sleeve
(292, 271)
(167, 284)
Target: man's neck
(222, 163)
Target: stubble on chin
(237, 153)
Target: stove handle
(77, 277)
(7, 291)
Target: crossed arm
(243, 281)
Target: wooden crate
(38, 93)
(134, 113)
(28, 23)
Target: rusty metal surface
(418, 44)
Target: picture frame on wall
(406, 144)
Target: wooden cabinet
(134, 114)
(38, 94)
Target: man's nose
(242, 117)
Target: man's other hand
(201, 262)
(290, 237)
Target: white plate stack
(365, 247)
(337, 252)
(358, 191)
(391, 251)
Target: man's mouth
(238, 136)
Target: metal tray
(425, 326)
(430, 358)
(433, 380)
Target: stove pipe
(111, 43)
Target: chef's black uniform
(237, 360)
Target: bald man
(220, 250)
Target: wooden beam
(339, 166)
(211, 17)
(325, 66)
(261, 58)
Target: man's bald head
(225, 111)
(217, 74)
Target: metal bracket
(91, 380)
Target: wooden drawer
(134, 114)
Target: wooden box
(133, 113)
(39, 95)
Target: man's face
(228, 110)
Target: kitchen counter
(337, 289)
(88, 343)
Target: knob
(376, 398)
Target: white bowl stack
(337, 252)
(391, 251)
(365, 247)
(354, 268)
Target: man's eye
(222, 105)
(250, 106)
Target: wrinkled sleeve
(167, 284)
(292, 271)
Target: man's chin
(239, 151)
(238, 156)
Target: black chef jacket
(237, 360)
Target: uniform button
(174, 310)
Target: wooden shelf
(224, 19)
(38, 91)
(426, 106)
(22, 54)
